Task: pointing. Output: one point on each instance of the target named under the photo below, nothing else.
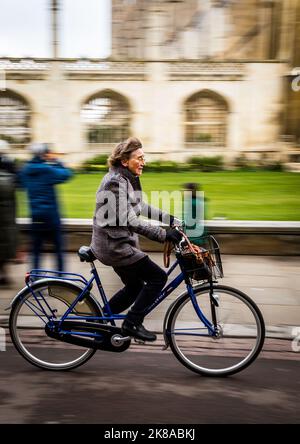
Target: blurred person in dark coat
(39, 177)
(8, 231)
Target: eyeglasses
(140, 159)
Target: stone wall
(234, 237)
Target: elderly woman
(115, 236)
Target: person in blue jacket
(39, 177)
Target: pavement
(147, 388)
(273, 282)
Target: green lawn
(234, 195)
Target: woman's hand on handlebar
(173, 235)
(175, 222)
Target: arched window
(14, 119)
(206, 119)
(106, 117)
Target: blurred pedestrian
(8, 229)
(194, 212)
(39, 177)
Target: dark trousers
(143, 282)
(44, 230)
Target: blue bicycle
(56, 323)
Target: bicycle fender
(35, 284)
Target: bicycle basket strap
(167, 253)
(201, 255)
(190, 249)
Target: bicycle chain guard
(109, 337)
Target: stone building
(188, 77)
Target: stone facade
(159, 62)
(196, 29)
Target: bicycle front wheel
(240, 332)
(29, 316)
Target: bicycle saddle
(86, 254)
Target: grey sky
(25, 28)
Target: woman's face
(136, 162)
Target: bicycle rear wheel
(28, 320)
(240, 338)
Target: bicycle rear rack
(37, 274)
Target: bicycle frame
(109, 316)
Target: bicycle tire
(241, 336)
(27, 330)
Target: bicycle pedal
(139, 341)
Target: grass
(231, 194)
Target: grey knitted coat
(117, 222)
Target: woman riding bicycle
(212, 329)
(116, 226)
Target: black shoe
(137, 330)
